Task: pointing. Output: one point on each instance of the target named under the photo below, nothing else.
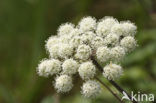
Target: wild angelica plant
(82, 48)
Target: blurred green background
(26, 24)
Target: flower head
(65, 51)
(117, 53)
(111, 39)
(76, 41)
(83, 52)
(87, 37)
(103, 54)
(75, 32)
(117, 29)
(70, 66)
(91, 89)
(112, 71)
(65, 29)
(129, 28)
(63, 83)
(49, 67)
(52, 41)
(105, 25)
(54, 50)
(87, 24)
(87, 70)
(128, 43)
(78, 50)
(97, 42)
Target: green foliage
(48, 99)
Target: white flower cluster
(87, 70)
(112, 71)
(70, 67)
(49, 67)
(63, 83)
(72, 49)
(91, 88)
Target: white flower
(76, 41)
(83, 52)
(91, 89)
(54, 51)
(129, 28)
(75, 32)
(128, 43)
(54, 66)
(112, 71)
(112, 39)
(105, 25)
(65, 39)
(87, 24)
(70, 66)
(66, 50)
(102, 30)
(103, 54)
(72, 49)
(117, 53)
(117, 29)
(87, 37)
(65, 29)
(97, 42)
(110, 21)
(51, 41)
(87, 70)
(49, 67)
(42, 68)
(63, 83)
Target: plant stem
(57, 98)
(121, 90)
(109, 90)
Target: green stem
(121, 90)
(116, 96)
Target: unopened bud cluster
(72, 49)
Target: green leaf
(6, 95)
(48, 99)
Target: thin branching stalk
(115, 95)
(121, 90)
